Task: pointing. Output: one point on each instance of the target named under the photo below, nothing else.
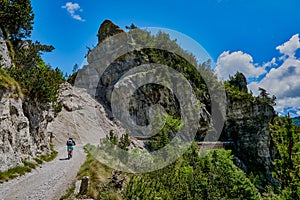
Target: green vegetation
(7, 83)
(99, 175)
(40, 82)
(264, 97)
(50, 157)
(286, 137)
(69, 193)
(192, 177)
(17, 171)
(16, 18)
(236, 88)
(33, 78)
(163, 137)
(176, 58)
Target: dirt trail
(49, 181)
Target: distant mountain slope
(297, 121)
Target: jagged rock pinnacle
(107, 29)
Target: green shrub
(190, 177)
(40, 83)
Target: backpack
(70, 143)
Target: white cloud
(72, 8)
(284, 81)
(288, 104)
(288, 49)
(270, 63)
(229, 63)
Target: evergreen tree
(265, 98)
(190, 177)
(131, 27)
(16, 18)
(239, 81)
(287, 140)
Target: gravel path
(49, 181)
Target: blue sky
(248, 34)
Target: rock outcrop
(5, 59)
(100, 84)
(22, 127)
(247, 126)
(108, 29)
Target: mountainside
(150, 121)
(247, 126)
(247, 120)
(297, 121)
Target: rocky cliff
(23, 122)
(23, 130)
(247, 127)
(108, 29)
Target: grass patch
(99, 175)
(30, 164)
(50, 157)
(17, 171)
(38, 161)
(97, 172)
(10, 84)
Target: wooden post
(84, 185)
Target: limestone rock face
(5, 59)
(247, 126)
(22, 130)
(108, 29)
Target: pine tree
(287, 140)
(16, 18)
